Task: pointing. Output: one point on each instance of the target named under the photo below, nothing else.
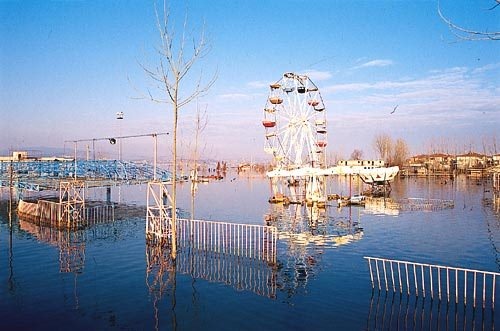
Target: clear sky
(67, 67)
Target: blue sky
(67, 67)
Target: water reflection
(324, 227)
(396, 311)
(243, 274)
(304, 234)
(492, 205)
(70, 243)
(380, 209)
(11, 281)
(161, 278)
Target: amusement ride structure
(295, 122)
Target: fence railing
(243, 240)
(99, 214)
(437, 281)
(51, 213)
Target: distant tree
(494, 145)
(334, 157)
(357, 154)
(176, 60)
(383, 147)
(489, 145)
(470, 34)
(401, 152)
(201, 122)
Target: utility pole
(10, 193)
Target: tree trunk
(174, 187)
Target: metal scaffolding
(38, 175)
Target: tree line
(395, 152)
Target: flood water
(102, 277)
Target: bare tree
(356, 154)
(494, 143)
(334, 157)
(401, 152)
(383, 147)
(176, 60)
(469, 34)
(489, 145)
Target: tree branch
(467, 34)
(495, 5)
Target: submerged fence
(244, 240)
(52, 214)
(411, 204)
(257, 242)
(437, 281)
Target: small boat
(279, 198)
(357, 199)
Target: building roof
(471, 154)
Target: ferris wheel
(295, 123)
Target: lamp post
(155, 154)
(75, 156)
(119, 117)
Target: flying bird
(392, 112)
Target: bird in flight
(392, 112)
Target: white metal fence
(243, 240)
(249, 241)
(467, 286)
